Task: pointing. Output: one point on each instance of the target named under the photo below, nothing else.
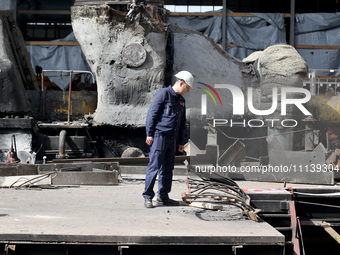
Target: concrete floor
(116, 215)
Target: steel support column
(224, 23)
(294, 224)
(292, 23)
(14, 3)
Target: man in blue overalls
(165, 123)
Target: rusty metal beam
(294, 225)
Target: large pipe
(62, 139)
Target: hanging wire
(28, 182)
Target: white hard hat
(186, 77)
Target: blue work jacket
(166, 115)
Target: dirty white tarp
(319, 29)
(265, 29)
(59, 58)
(249, 33)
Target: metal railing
(69, 88)
(318, 84)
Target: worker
(165, 125)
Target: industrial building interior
(77, 78)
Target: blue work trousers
(162, 159)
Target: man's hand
(149, 140)
(181, 148)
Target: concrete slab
(17, 169)
(24, 180)
(116, 215)
(78, 166)
(86, 178)
(180, 170)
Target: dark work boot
(167, 202)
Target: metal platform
(115, 216)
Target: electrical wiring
(31, 181)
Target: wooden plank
(48, 43)
(94, 2)
(240, 14)
(331, 231)
(310, 222)
(84, 2)
(229, 45)
(118, 2)
(6, 12)
(196, 14)
(325, 47)
(25, 180)
(209, 206)
(232, 14)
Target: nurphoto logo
(239, 106)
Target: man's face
(184, 88)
